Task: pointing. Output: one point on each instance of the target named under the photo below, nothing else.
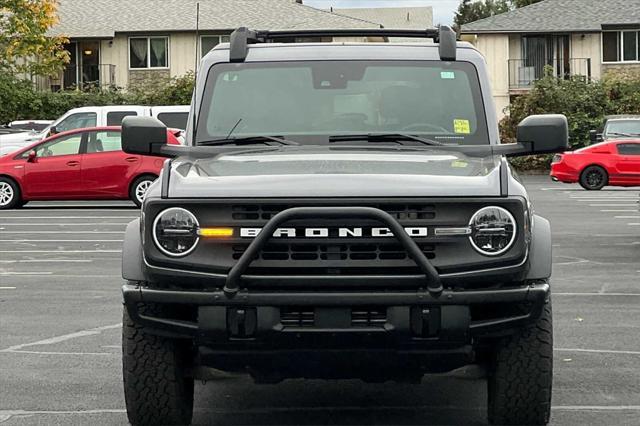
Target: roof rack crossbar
(242, 37)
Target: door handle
(73, 163)
(131, 159)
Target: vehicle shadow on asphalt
(438, 400)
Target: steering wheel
(423, 126)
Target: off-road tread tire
(520, 381)
(583, 178)
(155, 387)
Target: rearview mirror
(143, 135)
(544, 134)
(32, 156)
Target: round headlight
(175, 232)
(493, 231)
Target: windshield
(434, 99)
(622, 128)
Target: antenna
(195, 75)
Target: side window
(629, 149)
(114, 118)
(174, 120)
(67, 145)
(77, 121)
(103, 142)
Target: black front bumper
(215, 315)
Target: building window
(620, 46)
(148, 52)
(208, 42)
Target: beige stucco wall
(588, 46)
(495, 48)
(182, 48)
(116, 52)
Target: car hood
(329, 173)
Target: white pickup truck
(174, 117)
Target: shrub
(585, 103)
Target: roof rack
(242, 37)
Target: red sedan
(615, 163)
(83, 164)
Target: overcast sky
(442, 9)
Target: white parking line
(68, 217)
(61, 232)
(597, 351)
(627, 217)
(599, 294)
(7, 288)
(60, 251)
(67, 224)
(613, 205)
(60, 241)
(48, 261)
(63, 338)
(62, 353)
(6, 274)
(618, 211)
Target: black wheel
(9, 194)
(594, 178)
(156, 390)
(139, 188)
(521, 376)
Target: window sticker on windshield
(462, 126)
(448, 75)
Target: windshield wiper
(385, 137)
(627, 135)
(248, 140)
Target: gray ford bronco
(340, 210)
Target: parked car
(98, 116)
(30, 125)
(617, 127)
(84, 164)
(615, 163)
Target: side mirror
(143, 135)
(32, 157)
(544, 134)
(595, 137)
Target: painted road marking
(57, 241)
(63, 338)
(618, 211)
(597, 351)
(612, 205)
(60, 232)
(599, 294)
(6, 274)
(627, 217)
(69, 217)
(60, 251)
(7, 288)
(61, 353)
(48, 261)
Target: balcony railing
(87, 76)
(523, 73)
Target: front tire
(9, 194)
(520, 380)
(155, 387)
(139, 188)
(594, 178)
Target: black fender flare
(540, 252)
(133, 268)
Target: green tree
(473, 10)
(25, 46)
(523, 3)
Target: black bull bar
(431, 276)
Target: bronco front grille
(368, 317)
(401, 211)
(331, 252)
(297, 317)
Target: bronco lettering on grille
(333, 232)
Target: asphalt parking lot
(60, 316)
